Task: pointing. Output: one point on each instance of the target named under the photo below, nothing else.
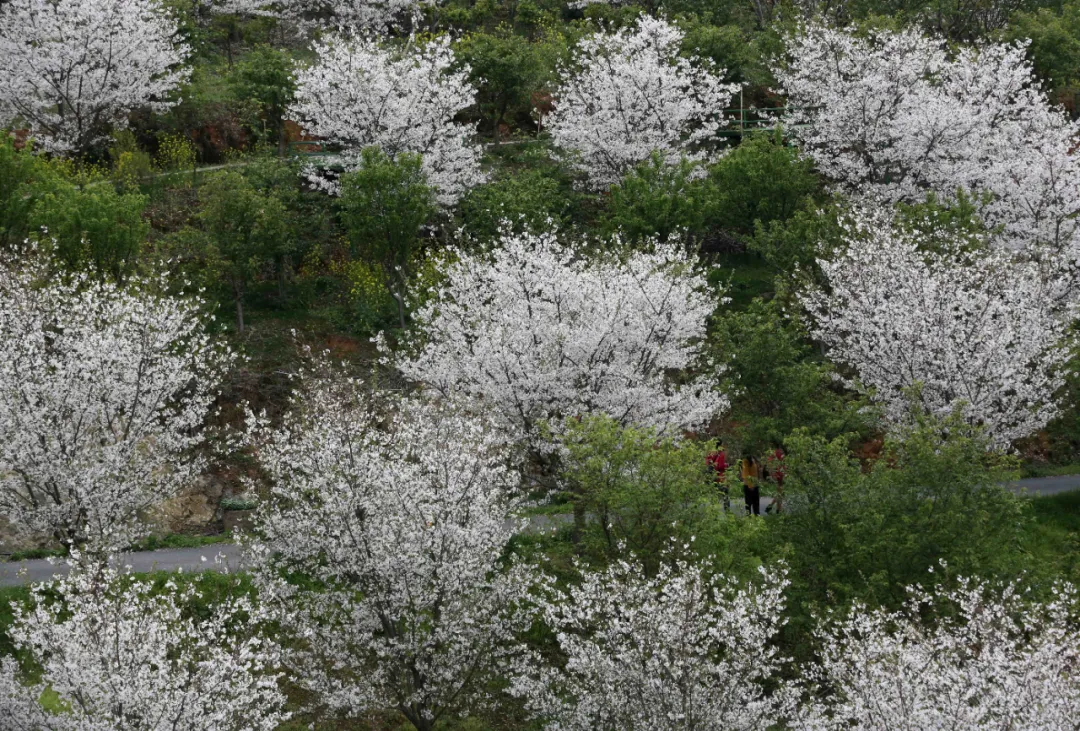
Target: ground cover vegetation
(491, 315)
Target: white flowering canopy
(374, 15)
(361, 93)
(895, 115)
(402, 509)
(976, 331)
(676, 651)
(629, 94)
(998, 661)
(540, 332)
(74, 69)
(103, 392)
(123, 655)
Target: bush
(659, 200)
(761, 181)
(936, 494)
(776, 381)
(93, 226)
(647, 495)
(525, 201)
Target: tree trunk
(240, 314)
(400, 308)
(578, 535)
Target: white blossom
(119, 654)
(629, 94)
(976, 330)
(997, 661)
(895, 115)
(72, 69)
(402, 516)
(311, 14)
(680, 650)
(542, 333)
(361, 94)
(103, 391)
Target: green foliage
(93, 226)
(176, 153)
(506, 69)
(384, 203)
(130, 165)
(943, 225)
(264, 84)
(644, 494)
(813, 231)
(776, 381)
(247, 229)
(1055, 43)
(934, 495)
(18, 169)
(659, 200)
(525, 200)
(761, 181)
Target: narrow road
(226, 556)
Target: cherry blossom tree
(123, 655)
(541, 333)
(356, 14)
(676, 651)
(629, 94)
(402, 516)
(361, 94)
(977, 331)
(895, 115)
(996, 661)
(74, 68)
(103, 390)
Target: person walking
(750, 472)
(717, 461)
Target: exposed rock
(192, 511)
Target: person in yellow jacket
(750, 472)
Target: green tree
(655, 199)
(383, 205)
(247, 228)
(506, 69)
(92, 226)
(760, 181)
(18, 169)
(644, 494)
(813, 231)
(776, 381)
(265, 78)
(523, 200)
(935, 494)
(1055, 43)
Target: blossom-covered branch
(541, 332)
(74, 69)
(400, 510)
(361, 93)
(630, 94)
(103, 392)
(977, 331)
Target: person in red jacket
(717, 461)
(774, 463)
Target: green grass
(1048, 470)
(1053, 536)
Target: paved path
(206, 557)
